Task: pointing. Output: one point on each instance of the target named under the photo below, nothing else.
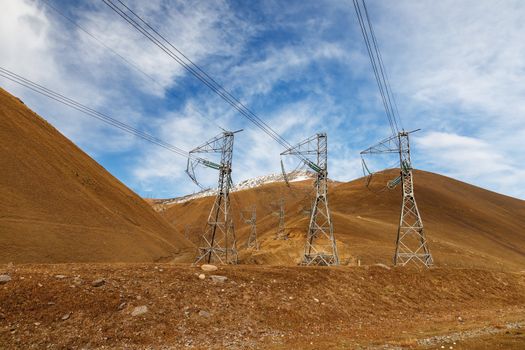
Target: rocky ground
(167, 306)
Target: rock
(316, 300)
(66, 316)
(209, 268)
(217, 278)
(460, 319)
(383, 266)
(204, 313)
(60, 277)
(4, 279)
(77, 280)
(139, 310)
(202, 276)
(122, 305)
(98, 283)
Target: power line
(390, 94)
(378, 68)
(101, 43)
(89, 111)
(165, 45)
(124, 59)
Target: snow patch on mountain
(243, 185)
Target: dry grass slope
(59, 205)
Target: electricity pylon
(320, 247)
(251, 219)
(191, 232)
(218, 239)
(411, 242)
(281, 231)
(187, 230)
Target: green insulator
(393, 183)
(211, 165)
(314, 167)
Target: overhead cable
(89, 111)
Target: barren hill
(59, 205)
(466, 226)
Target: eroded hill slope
(59, 205)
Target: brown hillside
(59, 205)
(467, 226)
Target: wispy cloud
(456, 69)
(470, 159)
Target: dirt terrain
(257, 307)
(59, 205)
(467, 226)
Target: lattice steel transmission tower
(191, 233)
(320, 247)
(250, 217)
(187, 230)
(411, 242)
(218, 240)
(281, 229)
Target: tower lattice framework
(281, 229)
(218, 244)
(320, 247)
(411, 242)
(251, 219)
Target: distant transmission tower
(187, 230)
(281, 230)
(320, 247)
(218, 240)
(411, 243)
(251, 219)
(191, 232)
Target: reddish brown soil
(466, 226)
(256, 308)
(59, 205)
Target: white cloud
(273, 65)
(470, 159)
(41, 45)
(457, 68)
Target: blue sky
(456, 68)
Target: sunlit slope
(59, 205)
(465, 225)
